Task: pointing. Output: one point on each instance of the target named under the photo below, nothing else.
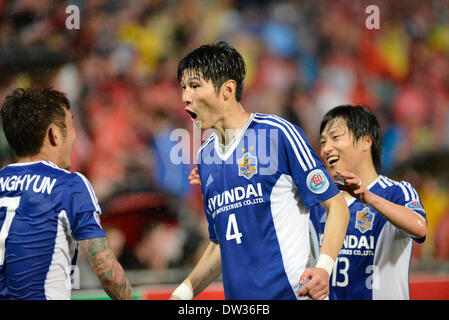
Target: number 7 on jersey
(11, 204)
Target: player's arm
(206, 270)
(400, 216)
(333, 237)
(336, 225)
(108, 269)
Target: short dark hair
(217, 62)
(26, 115)
(361, 122)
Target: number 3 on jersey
(232, 231)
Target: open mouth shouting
(192, 114)
(332, 161)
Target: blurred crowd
(303, 58)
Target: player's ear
(228, 89)
(367, 142)
(52, 135)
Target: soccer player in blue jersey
(259, 177)
(385, 215)
(45, 210)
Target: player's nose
(186, 98)
(326, 148)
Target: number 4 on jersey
(232, 231)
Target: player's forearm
(207, 269)
(108, 269)
(116, 284)
(400, 216)
(336, 226)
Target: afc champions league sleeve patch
(414, 205)
(317, 181)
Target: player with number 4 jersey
(385, 215)
(258, 212)
(259, 177)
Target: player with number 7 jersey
(44, 210)
(47, 212)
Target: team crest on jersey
(364, 220)
(247, 165)
(317, 181)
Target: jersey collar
(225, 151)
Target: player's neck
(35, 158)
(367, 174)
(41, 156)
(233, 121)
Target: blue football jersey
(257, 191)
(43, 211)
(374, 261)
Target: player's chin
(332, 172)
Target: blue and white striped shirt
(43, 211)
(257, 191)
(374, 261)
